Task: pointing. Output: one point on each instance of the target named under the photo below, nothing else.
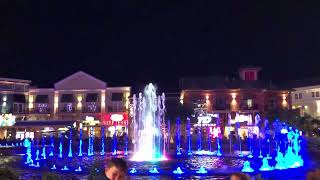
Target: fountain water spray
(178, 137)
(27, 145)
(80, 142)
(102, 140)
(178, 171)
(60, 146)
(70, 143)
(37, 155)
(43, 148)
(147, 115)
(51, 145)
(189, 136)
(114, 152)
(246, 167)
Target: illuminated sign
(116, 117)
(7, 120)
(207, 119)
(91, 121)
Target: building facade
(223, 97)
(306, 99)
(78, 99)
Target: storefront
(115, 122)
(6, 125)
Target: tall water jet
(70, 143)
(60, 146)
(80, 141)
(169, 136)
(147, 115)
(178, 138)
(209, 139)
(51, 145)
(126, 142)
(114, 151)
(43, 154)
(102, 140)
(199, 138)
(27, 145)
(189, 136)
(90, 146)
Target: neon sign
(116, 117)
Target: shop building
(77, 99)
(245, 95)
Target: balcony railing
(91, 109)
(40, 111)
(67, 108)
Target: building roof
(216, 82)
(12, 80)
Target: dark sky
(131, 42)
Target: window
(312, 94)
(116, 96)
(296, 96)
(92, 97)
(249, 75)
(67, 98)
(300, 95)
(317, 94)
(18, 108)
(41, 99)
(20, 98)
(249, 103)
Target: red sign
(115, 119)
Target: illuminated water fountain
(70, 143)
(178, 137)
(147, 117)
(51, 145)
(189, 136)
(246, 167)
(43, 154)
(178, 171)
(202, 170)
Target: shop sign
(115, 119)
(7, 120)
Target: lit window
(312, 94)
(249, 103)
(317, 94)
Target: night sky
(132, 42)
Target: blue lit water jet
(43, 154)
(53, 167)
(189, 136)
(60, 146)
(178, 171)
(265, 165)
(37, 155)
(65, 168)
(27, 145)
(133, 171)
(209, 139)
(199, 138)
(80, 141)
(154, 171)
(114, 145)
(37, 165)
(202, 170)
(79, 169)
(51, 145)
(178, 136)
(91, 141)
(102, 140)
(70, 143)
(246, 167)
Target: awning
(44, 123)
